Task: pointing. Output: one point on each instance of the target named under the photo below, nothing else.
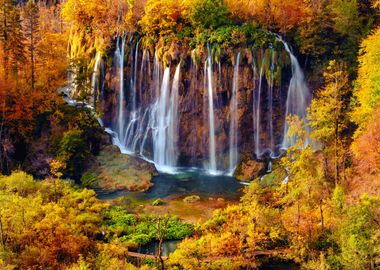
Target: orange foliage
(274, 14)
(367, 147)
(15, 107)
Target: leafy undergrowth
(135, 230)
(53, 224)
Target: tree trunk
(2, 238)
(321, 212)
(160, 253)
(32, 51)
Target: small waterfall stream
(160, 140)
(210, 91)
(298, 96)
(270, 103)
(119, 58)
(257, 114)
(172, 140)
(233, 134)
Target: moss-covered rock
(158, 202)
(249, 170)
(114, 171)
(192, 199)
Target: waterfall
(144, 114)
(210, 90)
(151, 125)
(130, 133)
(257, 113)
(95, 72)
(270, 104)
(165, 126)
(298, 97)
(119, 57)
(160, 143)
(95, 80)
(173, 118)
(233, 155)
(134, 64)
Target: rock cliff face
(193, 120)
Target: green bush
(89, 179)
(142, 230)
(19, 182)
(158, 202)
(178, 230)
(209, 14)
(72, 152)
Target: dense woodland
(325, 216)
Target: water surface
(184, 183)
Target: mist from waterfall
(233, 134)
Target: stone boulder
(113, 171)
(249, 170)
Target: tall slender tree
(15, 45)
(327, 116)
(6, 7)
(31, 28)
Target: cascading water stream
(233, 151)
(160, 138)
(270, 104)
(165, 127)
(257, 113)
(172, 138)
(298, 97)
(134, 79)
(95, 76)
(95, 72)
(134, 113)
(210, 90)
(119, 55)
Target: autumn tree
(359, 235)
(315, 30)
(12, 39)
(6, 8)
(328, 119)
(15, 45)
(305, 191)
(366, 158)
(160, 18)
(367, 90)
(31, 29)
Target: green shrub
(72, 152)
(89, 179)
(158, 202)
(19, 182)
(209, 14)
(178, 230)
